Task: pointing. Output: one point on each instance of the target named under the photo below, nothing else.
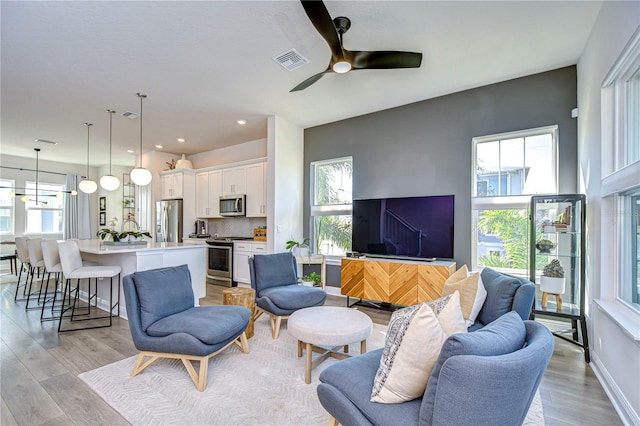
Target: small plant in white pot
(311, 279)
(552, 279)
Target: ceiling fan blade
(383, 59)
(321, 20)
(308, 82)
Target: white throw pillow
(449, 313)
(413, 344)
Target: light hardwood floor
(39, 381)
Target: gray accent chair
(164, 322)
(487, 377)
(274, 277)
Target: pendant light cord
(37, 150)
(88, 126)
(111, 112)
(141, 96)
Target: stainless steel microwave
(233, 205)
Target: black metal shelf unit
(557, 233)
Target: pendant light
(140, 176)
(38, 192)
(110, 182)
(86, 185)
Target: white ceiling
(206, 64)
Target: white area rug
(264, 387)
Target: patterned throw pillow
(414, 338)
(472, 292)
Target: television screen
(420, 227)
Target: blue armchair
(487, 377)
(165, 324)
(504, 293)
(275, 280)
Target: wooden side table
(241, 296)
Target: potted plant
(298, 248)
(545, 246)
(552, 279)
(311, 279)
(126, 237)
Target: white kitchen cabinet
(208, 192)
(172, 185)
(242, 251)
(234, 180)
(257, 190)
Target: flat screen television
(410, 227)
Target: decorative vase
(553, 285)
(545, 247)
(301, 251)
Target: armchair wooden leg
(242, 343)
(141, 364)
(276, 322)
(333, 421)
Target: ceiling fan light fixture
(342, 67)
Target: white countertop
(98, 247)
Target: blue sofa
(486, 377)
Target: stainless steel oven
(220, 262)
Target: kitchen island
(133, 258)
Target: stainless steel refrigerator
(169, 221)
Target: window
(331, 206)
(46, 215)
(6, 206)
(621, 177)
(507, 170)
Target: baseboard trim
(617, 398)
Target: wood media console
(398, 282)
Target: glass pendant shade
(87, 186)
(140, 176)
(109, 183)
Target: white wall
(615, 353)
(231, 154)
(285, 154)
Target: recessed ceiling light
(181, 140)
(159, 146)
(242, 122)
(130, 151)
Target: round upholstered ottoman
(328, 326)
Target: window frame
(619, 185)
(9, 183)
(506, 202)
(30, 186)
(318, 210)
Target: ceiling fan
(343, 60)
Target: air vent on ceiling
(291, 59)
(129, 115)
(46, 141)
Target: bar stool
(23, 256)
(53, 266)
(34, 247)
(73, 268)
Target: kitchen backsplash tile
(235, 227)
